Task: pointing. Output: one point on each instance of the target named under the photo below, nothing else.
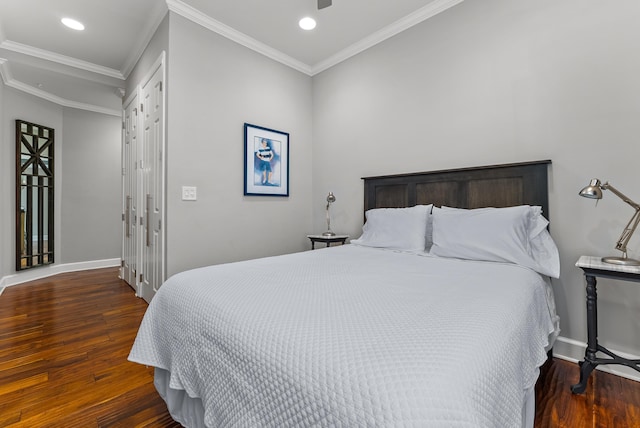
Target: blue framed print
(266, 161)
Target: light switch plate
(189, 193)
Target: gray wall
(214, 87)
(18, 105)
(87, 188)
(158, 43)
(501, 81)
(91, 222)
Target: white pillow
(396, 228)
(535, 224)
(514, 235)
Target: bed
(412, 324)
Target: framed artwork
(266, 161)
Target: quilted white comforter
(351, 336)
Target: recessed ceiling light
(73, 24)
(307, 23)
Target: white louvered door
(130, 192)
(143, 248)
(153, 254)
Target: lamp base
(328, 233)
(621, 261)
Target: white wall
(214, 87)
(500, 81)
(91, 222)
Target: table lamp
(330, 199)
(594, 191)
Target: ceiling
(40, 56)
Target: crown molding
(209, 23)
(155, 19)
(9, 81)
(194, 15)
(60, 59)
(391, 30)
(197, 17)
(157, 15)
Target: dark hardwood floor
(64, 342)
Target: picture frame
(266, 161)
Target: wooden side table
(327, 239)
(593, 268)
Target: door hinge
(141, 221)
(123, 127)
(121, 263)
(141, 108)
(141, 277)
(122, 216)
(159, 224)
(160, 86)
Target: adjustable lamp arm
(607, 186)
(627, 232)
(330, 199)
(594, 191)
(621, 245)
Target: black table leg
(590, 359)
(586, 367)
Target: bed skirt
(186, 410)
(189, 411)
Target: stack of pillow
(516, 235)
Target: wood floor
(64, 343)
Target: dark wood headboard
(477, 187)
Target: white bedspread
(351, 336)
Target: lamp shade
(593, 190)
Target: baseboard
(573, 350)
(54, 269)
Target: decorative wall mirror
(34, 195)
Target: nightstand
(593, 268)
(327, 239)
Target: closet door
(152, 109)
(143, 188)
(130, 193)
